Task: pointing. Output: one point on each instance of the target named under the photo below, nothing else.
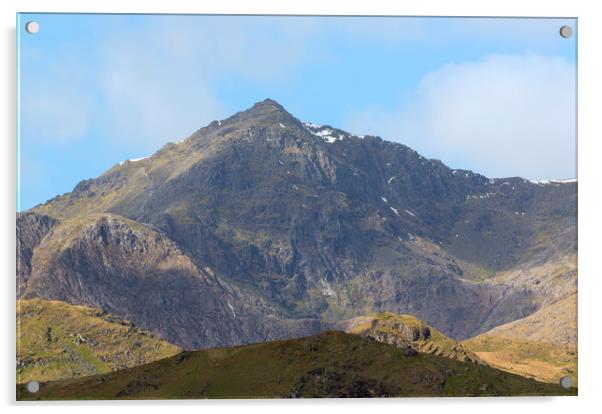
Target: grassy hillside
(539, 360)
(541, 346)
(57, 340)
(332, 364)
(555, 324)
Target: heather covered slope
(332, 364)
(260, 227)
(56, 340)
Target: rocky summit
(261, 227)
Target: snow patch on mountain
(326, 288)
(134, 160)
(544, 182)
(328, 134)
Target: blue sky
(492, 95)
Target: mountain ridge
(309, 225)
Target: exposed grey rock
(260, 227)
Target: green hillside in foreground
(56, 340)
(331, 364)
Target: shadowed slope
(332, 364)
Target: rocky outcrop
(408, 333)
(324, 383)
(31, 228)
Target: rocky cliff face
(261, 226)
(31, 228)
(132, 270)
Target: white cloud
(158, 80)
(504, 115)
(167, 89)
(151, 99)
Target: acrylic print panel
(295, 206)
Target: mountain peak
(266, 112)
(268, 101)
(266, 108)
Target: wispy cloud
(168, 90)
(151, 80)
(57, 115)
(501, 115)
(57, 104)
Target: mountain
(331, 364)
(260, 227)
(56, 340)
